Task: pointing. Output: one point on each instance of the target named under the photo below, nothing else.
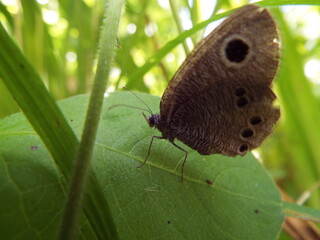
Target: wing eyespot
(242, 102)
(243, 149)
(255, 120)
(239, 92)
(236, 50)
(247, 133)
(241, 99)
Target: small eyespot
(242, 102)
(239, 92)
(243, 148)
(247, 133)
(236, 50)
(255, 120)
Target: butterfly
(220, 100)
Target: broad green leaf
(146, 203)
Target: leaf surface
(220, 198)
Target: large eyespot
(255, 120)
(247, 133)
(236, 50)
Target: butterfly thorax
(154, 120)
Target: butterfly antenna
(149, 110)
(129, 106)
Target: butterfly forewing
(220, 100)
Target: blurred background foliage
(59, 38)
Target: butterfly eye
(243, 148)
(242, 101)
(236, 50)
(239, 92)
(247, 133)
(151, 120)
(255, 120)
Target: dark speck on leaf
(34, 147)
(58, 123)
(256, 211)
(209, 182)
(169, 222)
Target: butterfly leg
(185, 158)
(153, 137)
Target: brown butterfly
(220, 100)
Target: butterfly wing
(220, 100)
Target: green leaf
(6, 14)
(29, 91)
(150, 202)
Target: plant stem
(84, 154)
(179, 25)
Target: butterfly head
(152, 120)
